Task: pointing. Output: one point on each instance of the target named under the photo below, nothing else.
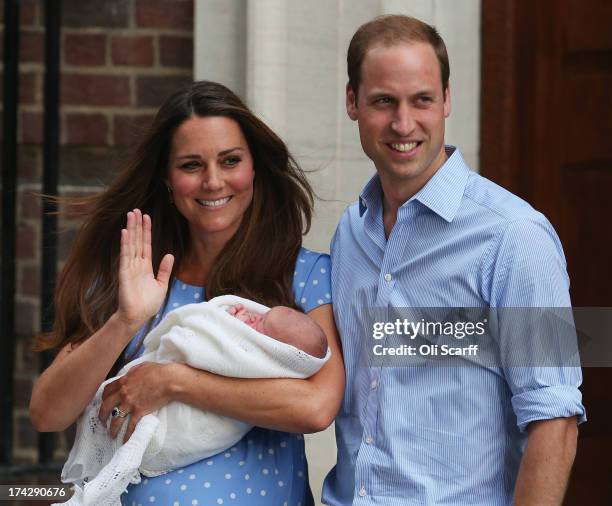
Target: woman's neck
(198, 262)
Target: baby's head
(292, 327)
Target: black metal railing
(52, 10)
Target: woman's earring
(170, 194)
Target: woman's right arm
(63, 391)
(66, 387)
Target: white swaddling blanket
(203, 336)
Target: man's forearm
(547, 462)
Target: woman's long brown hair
(257, 263)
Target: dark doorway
(546, 134)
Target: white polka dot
(180, 471)
(194, 502)
(263, 492)
(315, 281)
(302, 261)
(183, 487)
(247, 476)
(168, 481)
(228, 455)
(233, 449)
(276, 471)
(299, 437)
(320, 301)
(328, 295)
(299, 504)
(210, 462)
(184, 286)
(176, 503)
(323, 271)
(300, 474)
(232, 496)
(175, 304)
(152, 498)
(285, 504)
(271, 451)
(145, 481)
(207, 484)
(295, 273)
(301, 284)
(192, 476)
(281, 484)
(241, 463)
(219, 501)
(265, 471)
(283, 444)
(303, 300)
(196, 295)
(228, 476)
(248, 490)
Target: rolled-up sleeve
(530, 272)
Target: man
(428, 232)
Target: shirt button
(362, 492)
(388, 277)
(369, 440)
(374, 384)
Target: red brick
(176, 14)
(30, 204)
(152, 91)
(88, 13)
(176, 51)
(129, 129)
(65, 242)
(28, 88)
(84, 49)
(29, 161)
(26, 319)
(27, 363)
(88, 165)
(30, 281)
(86, 129)
(22, 389)
(31, 127)
(31, 47)
(137, 51)
(27, 437)
(26, 241)
(29, 12)
(82, 89)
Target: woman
(220, 192)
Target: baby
(275, 343)
(287, 326)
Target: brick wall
(119, 60)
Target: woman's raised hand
(140, 292)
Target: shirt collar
(442, 193)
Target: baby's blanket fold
(203, 336)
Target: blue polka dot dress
(266, 467)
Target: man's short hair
(389, 30)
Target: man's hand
(547, 462)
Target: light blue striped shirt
(442, 435)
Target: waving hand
(140, 292)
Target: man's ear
(351, 103)
(447, 101)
